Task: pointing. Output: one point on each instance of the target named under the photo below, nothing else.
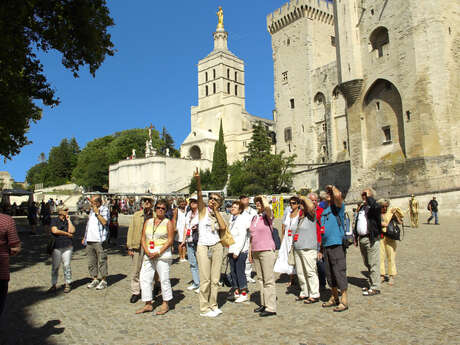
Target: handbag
(275, 234)
(50, 245)
(226, 237)
(393, 230)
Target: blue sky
(153, 76)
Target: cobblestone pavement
(421, 308)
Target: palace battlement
(319, 10)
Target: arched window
(214, 74)
(236, 76)
(379, 38)
(195, 152)
(206, 76)
(228, 73)
(288, 134)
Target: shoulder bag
(393, 230)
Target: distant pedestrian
(368, 230)
(10, 245)
(113, 225)
(32, 217)
(96, 246)
(319, 232)
(433, 208)
(413, 211)
(135, 249)
(179, 217)
(62, 229)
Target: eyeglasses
(161, 208)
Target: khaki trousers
(97, 259)
(264, 263)
(414, 219)
(388, 250)
(209, 264)
(307, 272)
(371, 258)
(135, 269)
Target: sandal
(162, 312)
(146, 309)
(341, 307)
(330, 303)
(311, 300)
(300, 299)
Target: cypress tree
(219, 162)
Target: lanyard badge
(152, 245)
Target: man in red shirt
(10, 245)
(319, 231)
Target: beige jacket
(133, 239)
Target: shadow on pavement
(359, 282)
(17, 329)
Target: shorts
(336, 267)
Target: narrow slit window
(292, 103)
(214, 88)
(236, 90)
(387, 134)
(228, 88)
(207, 90)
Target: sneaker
(67, 288)
(217, 311)
(242, 298)
(102, 285)
(93, 284)
(210, 313)
(250, 280)
(192, 287)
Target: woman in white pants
(157, 238)
(62, 230)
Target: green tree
(92, 170)
(261, 172)
(219, 169)
(62, 160)
(75, 28)
(168, 143)
(37, 174)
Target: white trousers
(305, 265)
(149, 267)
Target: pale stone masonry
(221, 96)
(383, 76)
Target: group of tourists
(315, 235)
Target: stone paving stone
(421, 308)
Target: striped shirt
(8, 238)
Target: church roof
(200, 135)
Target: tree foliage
(75, 28)
(261, 172)
(219, 169)
(168, 143)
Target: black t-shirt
(62, 241)
(434, 205)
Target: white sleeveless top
(208, 230)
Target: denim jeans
(63, 255)
(435, 215)
(191, 253)
(237, 270)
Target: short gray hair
(322, 195)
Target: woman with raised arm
(157, 239)
(209, 250)
(262, 252)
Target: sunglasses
(215, 199)
(293, 203)
(161, 208)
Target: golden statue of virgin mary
(220, 17)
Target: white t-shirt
(180, 224)
(93, 229)
(209, 231)
(362, 223)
